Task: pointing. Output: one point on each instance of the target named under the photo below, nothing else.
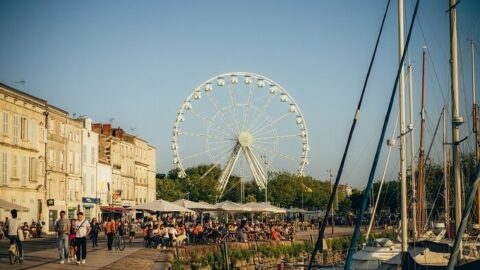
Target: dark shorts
(132, 234)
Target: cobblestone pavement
(42, 254)
(144, 259)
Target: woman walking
(71, 241)
(94, 233)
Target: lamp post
(265, 162)
(331, 190)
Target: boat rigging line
(356, 233)
(321, 231)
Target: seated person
(172, 234)
(275, 234)
(197, 231)
(182, 235)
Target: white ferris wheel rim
(267, 82)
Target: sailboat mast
(421, 158)
(446, 175)
(475, 124)
(457, 120)
(403, 154)
(412, 154)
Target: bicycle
(13, 253)
(119, 242)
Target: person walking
(94, 232)
(14, 226)
(82, 229)
(110, 232)
(62, 227)
(40, 224)
(71, 241)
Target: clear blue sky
(136, 61)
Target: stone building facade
(22, 152)
(50, 162)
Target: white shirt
(81, 229)
(13, 226)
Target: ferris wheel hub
(245, 139)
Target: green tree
(345, 206)
(168, 189)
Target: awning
(9, 206)
(114, 209)
(161, 206)
(228, 206)
(197, 206)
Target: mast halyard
(446, 175)
(412, 154)
(421, 210)
(475, 124)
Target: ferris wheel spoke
(278, 154)
(277, 137)
(265, 106)
(206, 135)
(219, 157)
(267, 132)
(222, 113)
(227, 172)
(255, 132)
(255, 167)
(234, 109)
(248, 106)
(220, 129)
(205, 152)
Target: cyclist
(14, 226)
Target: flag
(306, 189)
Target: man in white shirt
(82, 229)
(13, 225)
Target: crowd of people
(158, 232)
(169, 231)
(34, 230)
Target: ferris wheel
(237, 119)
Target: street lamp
(333, 207)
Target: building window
(76, 161)
(4, 168)
(92, 183)
(92, 153)
(24, 128)
(16, 128)
(5, 123)
(61, 161)
(84, 182)
(14, 166)
(33, 169)
(84, 153)
(51, 125)
(24, 171)
(32, 136)
(70, 161)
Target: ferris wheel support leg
(229, 168)
(255, 168)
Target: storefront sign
(50, 202)
(91, 200)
